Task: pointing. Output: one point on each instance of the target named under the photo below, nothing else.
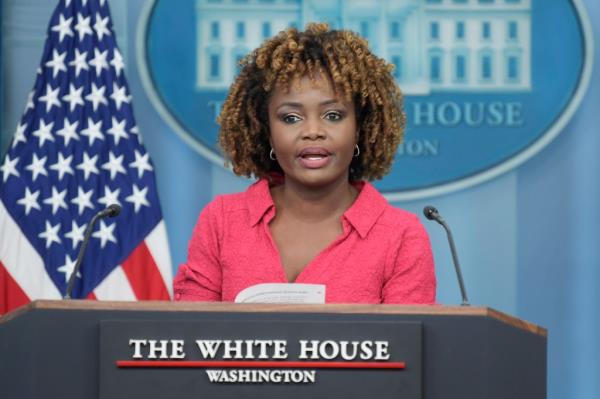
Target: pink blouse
(382, 256)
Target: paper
(282, 293)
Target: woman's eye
(333, 116)
(290, 118)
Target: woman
(312, 115)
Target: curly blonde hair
(357, 74)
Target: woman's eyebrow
(331, 101)
(294, 104)
(290, 104)
(300, 105)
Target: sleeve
(199, 279)
(412, 276)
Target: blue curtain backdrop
(528, 240)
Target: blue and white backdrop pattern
(474, 73)
(502, 135)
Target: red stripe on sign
(143, 275)
(258, 364)
(91, 296)
(11, 294)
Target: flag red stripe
(261, 364)
(143, 274)
(11, 294)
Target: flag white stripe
(158, 247)
(115, 287)
(22, 261)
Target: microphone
(111, 211)
(432, 214)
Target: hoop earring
(272, 155)
(357, 151)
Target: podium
(90, 349)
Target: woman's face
(313, 132)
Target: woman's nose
(313, 129)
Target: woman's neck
(313, 203)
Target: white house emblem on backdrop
(434, 45)
(482, 91)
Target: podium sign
(92, 349)
(260, 358)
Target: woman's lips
(314, 157)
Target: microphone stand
(432, 214)
(111, 211)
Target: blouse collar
(362, 214)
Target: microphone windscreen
(430, 212)
(114, 210)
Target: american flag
(76, 150)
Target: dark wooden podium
(87, 349)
